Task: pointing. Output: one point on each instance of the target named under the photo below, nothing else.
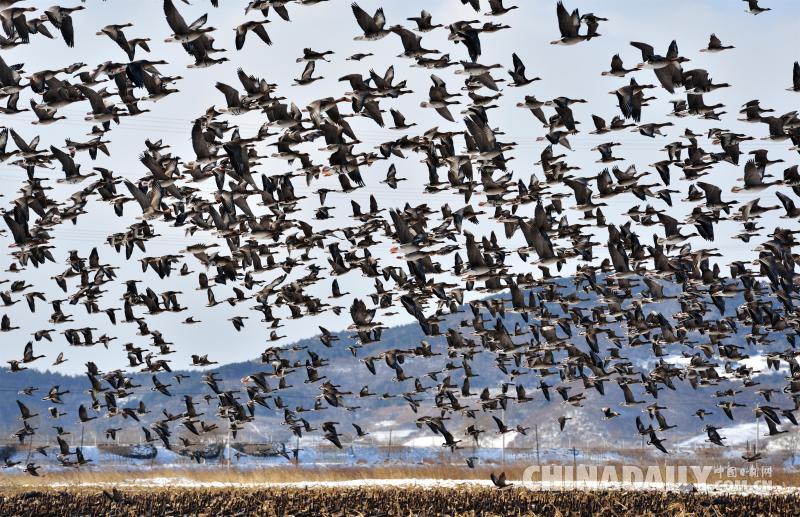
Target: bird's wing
(174, 18)
(647, 50)
(365, 21)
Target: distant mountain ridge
(377, 414)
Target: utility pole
(30, 449)
(229, 447)
(574, 459)
(504, 438)
(389, 451)
(536, 432)
(475, 444)
(574, 452)
(757, 431)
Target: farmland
(464, 499)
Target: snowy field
(185, 482)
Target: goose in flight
(795, 78)
(569, 24)
(753, 7)
(715, 45)
(256, 27)
(373, 26)
(181, 32)
(307, 77)
(518, 73)
(423, 22)
(500, 481)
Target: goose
(45, 114)
(497, 9)
(476, 69)
(605, 152)
(651, 129)
(655, 61)
(599, 125)
(235, 103)
(609, 413)
(439, 99)
(28, 356)
(500, 481)
(257, 27)
(10, 79)
(630, 99)
(61, 19)
(101, 112)
(359, 56)
(569, 25)
(306, 77)
(201, 49)
(792, 212)
(157, 86)
(754, 175)
(752, 210)
(371, 25)
(656, 442)
(618, 124)
(753, 7)
(518, 73)
(181, 32)
(592, 23)
(83, 415)
(617, 68)
(795, 78)
(535, 106)
(25, 413)
(713, 435)
(391, 177)
(751, 457)
(752, 111)
(761, 159)
(412, 43)
(713, 196)
(14, 23)
(312, 55)
(71, 170)
(400, 120)
(115, 32)
(715, 45)
(463, 32)
(423, 22)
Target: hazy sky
(759, 67)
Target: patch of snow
(738, 434)
(182, 482)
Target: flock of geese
(262, 256)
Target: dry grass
(461, 501)
(253, 476)
(316, 474)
